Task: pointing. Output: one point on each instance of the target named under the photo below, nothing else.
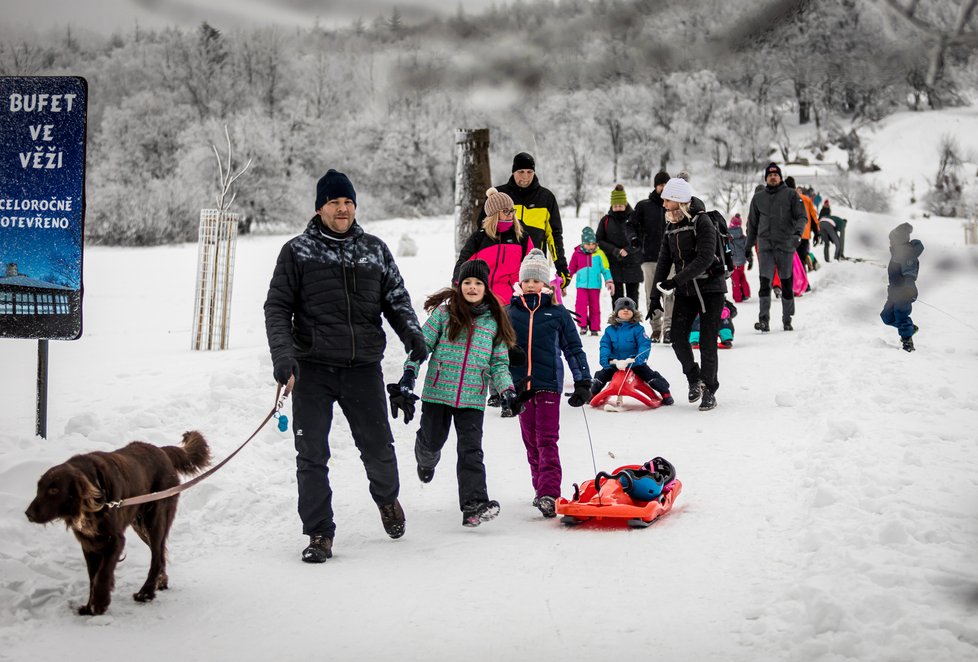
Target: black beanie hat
(474, 269)
(772, 167)
(661, 177)
(334, 185)
(789, 181)
(523, 161)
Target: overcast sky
(106, 16)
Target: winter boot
(762, 324)
(548, 506)
(695, 391)
(709, 400)
(666, 338)
(320, 548)
(908, 344)
(493, 401)
(726, 344)
(426, 474)
(536, 502)
(786, 322)
(596, 386)
(392, 516)
(584, 332)
(475, 513)
(594, 333)
(667, 399)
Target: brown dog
(77, 491)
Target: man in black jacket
(776, 220)
(649, 222)
(538, 212)
(323, 320)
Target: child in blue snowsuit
(902, 290)
(726, 334)
(626, 339)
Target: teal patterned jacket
(459, 370)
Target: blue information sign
(42, 205)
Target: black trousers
(643, 372)
(629, 290)
(684, 312)
(360, 393)
(436, 421)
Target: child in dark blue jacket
(626, 339)
(902, 290)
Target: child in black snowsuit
(902, 290)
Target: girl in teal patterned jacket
(468, 337)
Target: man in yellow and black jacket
(536, 208)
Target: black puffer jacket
(327, 295)
(649, 222)
(776, 219)
(614, 233)
(690, 245)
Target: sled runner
(634, 494)
(623, 383)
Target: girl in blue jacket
(626, 339)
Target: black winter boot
(762, 324)
(426, 474)
(908, 344)
(320, 548)
(493, 401)
(547, 506)
(695, 391)
(709, 400)
(786, 321)
(476, 512)
(392, 516)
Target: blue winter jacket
(624, 340)
(904, 264)
(553, 332)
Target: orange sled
(611, 504)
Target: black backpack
(723, 254)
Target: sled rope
(930, 305)
(280, 397)
(594, 464)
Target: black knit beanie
(772, 167)
(661, 177)
(523, 161)
(474, 269)
(334, 185)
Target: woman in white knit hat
(689, 244)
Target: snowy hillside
(829, 511)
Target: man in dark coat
(537, 210)
(330, 287)
(648, 220)
(775, 224)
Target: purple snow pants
(540, 425)
(588, 308)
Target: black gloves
(750, 260)
(582, 393)
(416, 348)
(285, 368)
(517, 357)
(655, 305)
(668, 284)
(402, 397)
(512, 404)
(816, 237)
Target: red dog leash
(163, 494)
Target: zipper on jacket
(349, 309)
(465, 358)
(529, 340)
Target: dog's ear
(90, 496)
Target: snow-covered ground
(829, 511)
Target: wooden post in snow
(472, 178)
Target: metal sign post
(43, 123)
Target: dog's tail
(192, 456)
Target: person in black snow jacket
(689, 246)
(330, 287)
(775, 224)
(617, 239)
(902, 290)
(649, 222)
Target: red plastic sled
(612, 505)
(626, 383)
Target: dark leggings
(685, 311)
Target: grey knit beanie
(535, 266)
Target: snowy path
(829, 509)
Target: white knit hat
(535, 266)
(677, 190)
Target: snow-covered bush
(860, 193)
